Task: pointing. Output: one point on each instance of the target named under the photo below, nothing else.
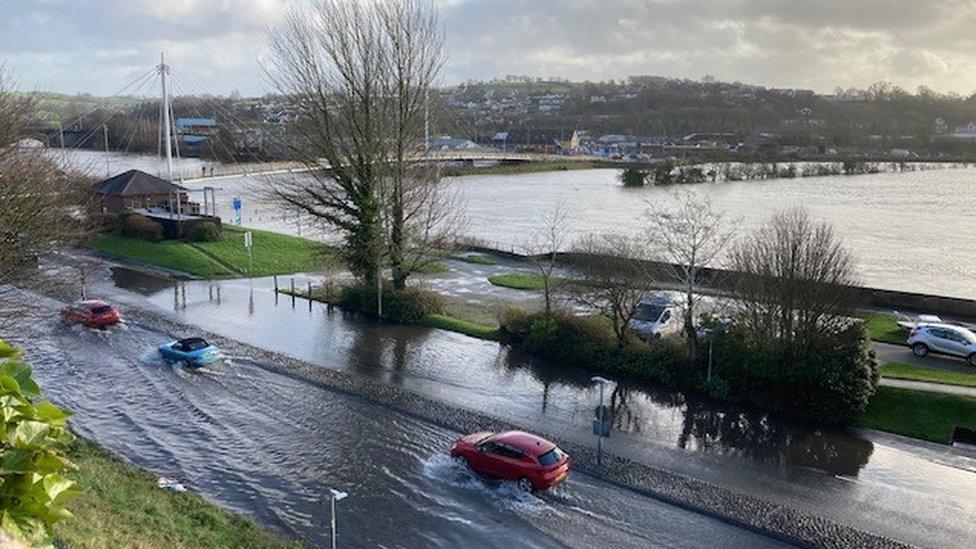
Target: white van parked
(656, 317)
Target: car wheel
(972, 359)
(920, 349)
(525, 485)
(462, 461)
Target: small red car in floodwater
(533, 462)
(92, 313)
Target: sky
(220, 46)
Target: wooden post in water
(309, 296)
(293, 292)
(276, 283)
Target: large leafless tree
(543, 249)
(361, 73)
(797, 280)
(686, 234)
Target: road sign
(602, 422)
(236, 204)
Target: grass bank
(121, 506)
(273, 253)
(919, 414)
(522, 281)
(885, 329)
(897, 370)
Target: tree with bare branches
(543, 249)
(612, 278)
(361, 74)
(41, 205)
(686, 234)
(797, 279)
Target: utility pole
(108, 167)
(163, 70)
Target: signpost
(604, 417)
(335, 496)
(249, 244)
(236, 206)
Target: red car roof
(524, 442)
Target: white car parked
(943, 338)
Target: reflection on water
(499, 379)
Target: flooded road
(869, 481)
(271, 446)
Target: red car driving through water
(92, 313)
(533, 462)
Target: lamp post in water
(334, 496)
(600, 427)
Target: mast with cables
(167, 137)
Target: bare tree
(361, 73)
(543, 249)
(612, 278)
(41, 206)
(796, 283)
(686, 234)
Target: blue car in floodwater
(193, 351)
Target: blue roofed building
(193, 134)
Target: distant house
(193, 134)
(153, 197)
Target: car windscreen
(549, 458)
(101, 309)
(649, 312)
(193, 344)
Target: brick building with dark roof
(135, 189)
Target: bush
(408, 305)
(207, 231)
(36, 439)
(830, 381)
(139, 226)
(104, 223)
(632, 177)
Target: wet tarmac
(270, 446)
(870, 481)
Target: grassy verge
(885, 328)
(169, 254)
(273, 253)
(462, 326)
(522, 281)
(897, 370)
(919, 414)
(525, 167)
(121, 506)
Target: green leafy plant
(34, 440)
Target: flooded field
(913, 231)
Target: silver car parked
(943, 338)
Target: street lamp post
(600, 428)
(334, 496)
(708, 333)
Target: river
(912, 231)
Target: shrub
(207, 231)
(829, 382)
(632, 177)
(105, 223)
(408, 305)
(36, 439)
(139, 226)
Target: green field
(919, 414)
(273, 254)
(884, 328)
(121, 506)
(897, 370)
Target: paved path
(901, 353)
(926, 386)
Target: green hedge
(408, 305)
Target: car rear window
(101, 309)
(550, 458)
